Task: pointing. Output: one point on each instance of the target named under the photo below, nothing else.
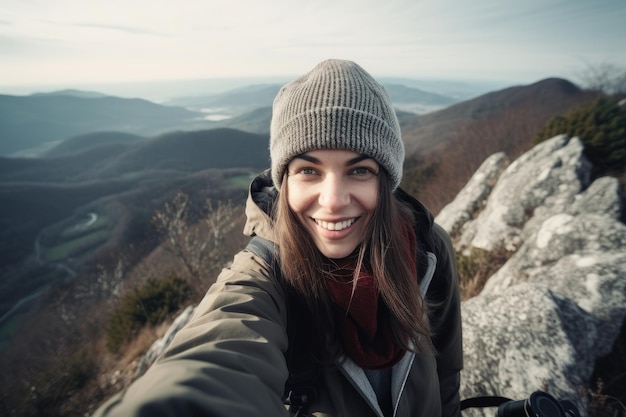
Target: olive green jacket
(229, 359)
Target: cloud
(200, 38)
(125, 29)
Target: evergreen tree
(601, 126)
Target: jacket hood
(261, 198)
(262, 194)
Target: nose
(334, 194)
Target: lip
(329, 234)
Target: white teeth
(335, 226)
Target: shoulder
(248, 282)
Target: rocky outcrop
(558, 303)
(472, 197)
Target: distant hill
(255, 96)
(193, 151)
(32, 125)
(538, 102)
(113, 156)
(245, 104)
(66, 168)
(459, 90)
(416, 100)
(73, 93)
(254, 121)
(28, 122)
(258, 120)
(236, 101)
(451, 143)
(89, 141)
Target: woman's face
(334, 194)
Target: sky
(79, 43)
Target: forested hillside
(45, 199)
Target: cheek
(297, 200)
(369, 197)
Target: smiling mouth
(335, 226)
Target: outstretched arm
(227, 361)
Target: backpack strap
(301, 386)
(481, 402)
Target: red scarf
(363, 317)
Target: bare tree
(198, 245)
(220, 222)
(173, 222)
(605, 77)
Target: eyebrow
(315, 160)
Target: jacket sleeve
(446, 323)
(227, 361)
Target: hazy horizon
(160, 90)
(73, 44)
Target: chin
(338, 253)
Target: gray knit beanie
(337, 105)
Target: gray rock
(159, 346)
(468, 202)
(587, 236)
(559, 302)
(601, 198)
(542, 182)
(525, 339)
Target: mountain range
(30, 125)
(28, 122)
(110, 171)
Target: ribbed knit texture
(337, 105)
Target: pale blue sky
(70, 43)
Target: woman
(364, 278)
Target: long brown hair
(383, 251)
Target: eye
(303, 172)
(306, 171)
(363, 172)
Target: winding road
(23, 302)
